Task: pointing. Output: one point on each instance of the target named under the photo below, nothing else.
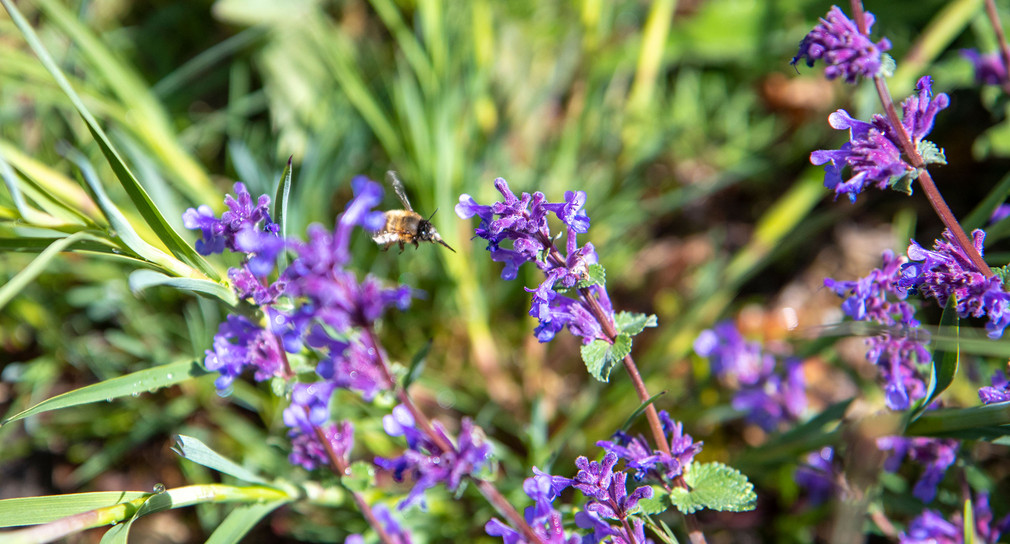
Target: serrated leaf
(201, 454)
(595, 275)
(601, 356)
(659, 503)
(903, 183)
(36, 510)
(240, 521)
(714, 486)
(144, 279)
(632, 323)
(930, 153)
(143, 381)
(887, 65)
(360, 477)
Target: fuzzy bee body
(405, 226)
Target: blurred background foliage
(683, 122)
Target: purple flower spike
(838, 42)
(947, 271)
(919, 110)
(999, 391)
(308, 452)
(989, 68)
(936, 454)
(219, 234)
(239, 344)
(523, 220)
(931, 527)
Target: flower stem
(915, 159)
(1004, 47)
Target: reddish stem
(1004, 47)
(909, 150)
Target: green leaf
(978, 422)
(887, 65)
(945, 362)
(601, 356)
(632, 323)
(638, 411)
(968, 515)
(201, 454)
(416, 365)
(360, 477)
(179, 247)
(714, 486)
(903, 183)
(143, 381)
(281, 200)
(659, 503)
(21, 280)
(980, 215)
(595, 275)
(36, 510)
(240, 521)
(143, 279)
(931, 154)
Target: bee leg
(401, 246)
(416, 245)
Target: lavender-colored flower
(239, 344)
(989, 68)
(873, 152)
(931, 527)
(767, 398)
(999, 391)
(310, 405)
(947, 271)
(349, 365)
(523, 221)
(901, 346)
(637, 455)
(429, 465)
(818, 475)
(935, 454)
(242, 215)
(605, 488)
(847, 52)
(1000, 213)
(307, 451)
(542, 517)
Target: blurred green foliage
(682, 121)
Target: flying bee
(405, 226)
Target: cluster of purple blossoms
(999, 391)
(637, 455)
(523, 221)
(901, 344)
(325, 308)
(398, 534)
(947, 271)
(608, 497)
(819, 475)
(936, 454)
(426, 463)
(989, 69)
(873, 152)
(847, 52)
(931, 527)
(767, 398)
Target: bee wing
(394, 180)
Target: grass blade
(38, 264)
(240, 521)
(201, 454)
(35, 510)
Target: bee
(405, 226)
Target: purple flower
(605, 488)
(239, 344)
(989, 68)
(349, 365)
(1000, 213)
(873, 152)
(775, 399)
(936, 454)
(426, 463)
(818, 476)
(847, 52)
(523, 222)
(637, 455)
(998, 392)
(545, 521)
(310, 405)
(931, 527)
(308, 452)
(733, 359)
(242, 215)
(899, 348)
(947, 270)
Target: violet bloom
(542, 517)
(873, 153)
(767, 398)
(947, 270)
(523, 221)
(637, 455)
(935, 454)
(308, 452)
(818, 476)
(999, 391)
(242, 215)
(989, 68)
(931, 527)
(239, 344)
(605, 488)
(426, 463)
(847, 52)
(899, 348)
